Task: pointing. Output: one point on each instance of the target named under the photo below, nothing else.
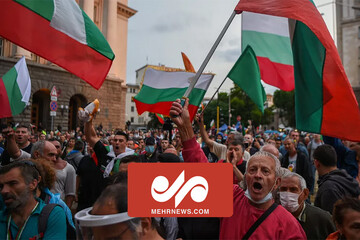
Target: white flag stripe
(23, 79)
(163, 80)
(265, 23)
(68, 18)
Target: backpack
(43, 219)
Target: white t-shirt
(65, 181)
(220, 151)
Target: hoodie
(333, 186)
(74, 157)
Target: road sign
(52, 98)
(53, 92)
(52, 113)
(53, 106)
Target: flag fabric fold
(246, 74)
(15, 90)
(270, 39)
(187, 64)
(59, 31)
(160, 88)
(324, 100)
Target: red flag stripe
(34, 33)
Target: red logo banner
(180, 190)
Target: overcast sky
(162, 29)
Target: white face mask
(268, 197)
(290, 201)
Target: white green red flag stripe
(324, 100)
(15, 90)
(59, 31)
(160, 89)
(269, 37)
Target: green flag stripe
(309, 59)
(151, 95)
(246, 74)
(274, 47)
(13, 92)
(44, 8)
(95, 39)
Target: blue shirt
(55, 229)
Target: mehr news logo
(180, 190)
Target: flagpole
(213, 95)
(207, 59)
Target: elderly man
(316, 222)
(262, 178)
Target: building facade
(348, 40)
(111, 17)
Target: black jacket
(333, 186)
(303, 167)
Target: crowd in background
(82, 168)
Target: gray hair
(237, 136)
(267, 154)
(271, 149)
(302, 182)
(38, 147)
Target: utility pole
(230, 108)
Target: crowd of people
(58, 185)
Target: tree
(241, 105)
(285, 103)
(154, 122)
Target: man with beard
(262, 177)
(65, 173)
(19, 220)
(22, 136)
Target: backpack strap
(260, 220)
(43, 218)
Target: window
(132, 119)
(1, 47)
(132, 109)
(141, 119)
(98, 14)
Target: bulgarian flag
(15, 90)
(59, 31)
(324, 100)
(269, 37)
(160, 89)
(160, 117)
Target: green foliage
(241, 105)
(285, 103)
(154, 122)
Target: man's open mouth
(257, 186)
